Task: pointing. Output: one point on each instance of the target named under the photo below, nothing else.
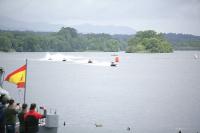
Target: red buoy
(117, 59)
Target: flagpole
(25, 80)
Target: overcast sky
(179, 16)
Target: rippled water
(147, 92)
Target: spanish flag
(18, 77)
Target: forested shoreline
(69, 40)
(66, 40)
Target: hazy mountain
(109, 29)
(11, 24)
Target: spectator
(32, 119)
(10, 116)
(2, 113)
(21, 118)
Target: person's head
(4, 99)
(11, 101)
(1, 97)
(33, 106)
(24, 106)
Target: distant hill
(183, 41)
(122, 37)
(10, 24)
(107, 29)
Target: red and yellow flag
(18, 77)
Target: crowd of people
(11, 112)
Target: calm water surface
(150, 93)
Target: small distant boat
(196, 56)
(64, 59)
(98, 125)
(90, 61)
(113, 64)
(128, 128)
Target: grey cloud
(160, 15)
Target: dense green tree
(5, 43)
(148, 41)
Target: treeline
(66, 40)
(183, 41)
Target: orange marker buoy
(117, 59)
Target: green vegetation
(148, 41)
(5, 43)
(183, 41)
(67, 39)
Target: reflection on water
(146, 92)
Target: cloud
(161, 15)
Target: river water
(150, 93)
